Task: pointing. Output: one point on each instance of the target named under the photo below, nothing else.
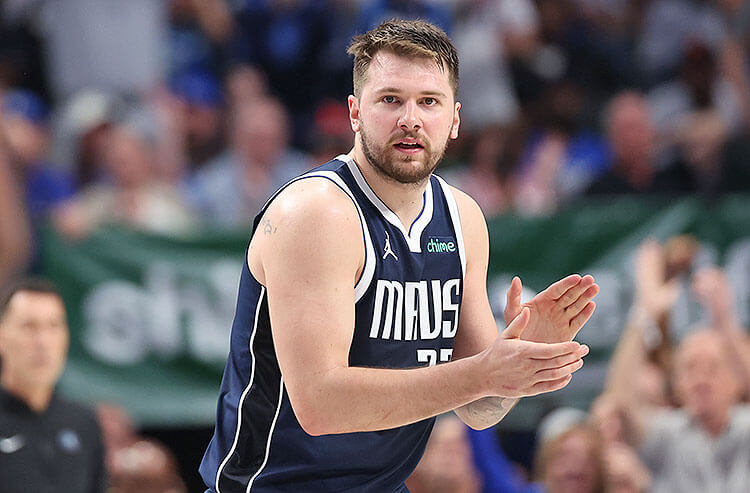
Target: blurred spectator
(332, 132)
(81, 131)
(624, 472)
(336, 64)
(196, 117)
(570, 47)
(198, 34)
(15, 228)
(46, 442)
(135, 464)
(699, 88)
(703, 445)
(487, 174)
(632, 145)
(244, 84)
(23, 124)
(735, 53)
(496, 471)
(668, 26)
(561, 157)
(131, 190)
(711, 287)
(229, 191)
(570, 462)
(21, 57)
(610, 27)
(572, 457)
(446, 466)
(104, 44)
(375, 12)
(286, 39)
(487, 33)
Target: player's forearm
(368, 399)
(485, 412)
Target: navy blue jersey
(407, 308)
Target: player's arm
(308, 253)
(477, 327)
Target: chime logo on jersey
(402, 310)
(438, 244)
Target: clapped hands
(557, 313)
(515, 367)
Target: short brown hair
(31, 284)
(404, 38)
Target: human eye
(429, 101)
(389, 99)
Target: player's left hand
(558, 312)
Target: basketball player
(363, 310)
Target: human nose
(410, 118)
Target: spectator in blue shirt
(23, 126)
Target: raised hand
(558, 312)
(653, 292)
(519, 368)
(713, 290)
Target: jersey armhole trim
(456, 219)
(368, 269)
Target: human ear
(353, 103)
(456, 121)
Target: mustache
(410, 135)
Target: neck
(35, 396)
(639, 175)
(715, 424)
(404, 199)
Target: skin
(705, 381)
(572, 467)
(33, 346)
(310, 273)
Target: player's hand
(558, 312)
(518, 368)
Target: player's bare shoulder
(309, 217)
(472, 219)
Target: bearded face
(405, 158)
(404, 116)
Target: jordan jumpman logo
(387, 250)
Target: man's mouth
(408, 146)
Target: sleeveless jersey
(408, 299)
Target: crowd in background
(673, 415)
(176, 115)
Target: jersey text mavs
(407, 309)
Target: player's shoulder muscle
(311, 220)
(473, 224)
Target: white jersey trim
(244, 392)
(368, 270)
(456, 218)
(270, 436)
(413, 235)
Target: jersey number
(430, 356)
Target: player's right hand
(518, 368)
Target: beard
(399, 167)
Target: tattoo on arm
(489, 410)
(268, 228)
